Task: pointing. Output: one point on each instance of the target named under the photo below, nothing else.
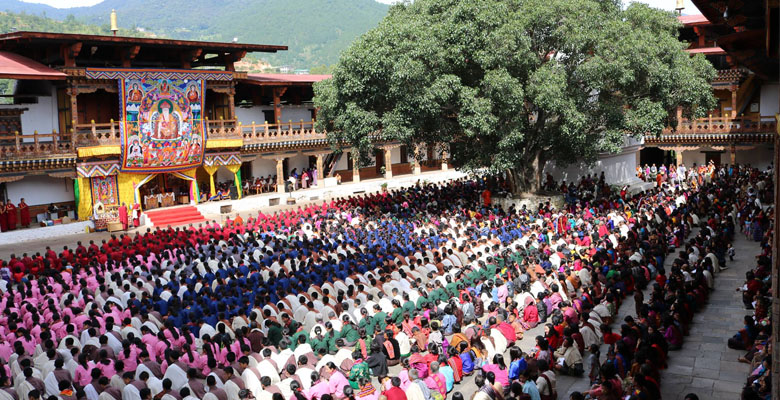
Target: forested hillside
(316, 31)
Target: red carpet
(175, 216)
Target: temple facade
(741, 128)
(97, 121)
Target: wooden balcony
(97, 134)
(36, 146)
(265, 134)
(718, 130)
(107, 134)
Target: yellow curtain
(85, 199)
(192, 176)
(128, 187)
(211, 170)
(234, 168)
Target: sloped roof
(15, 66)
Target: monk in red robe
(24, 213)
(3, 218)
(136, 215)
(10, 209)
(123, 216)
(486, 197)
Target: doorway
(712, 156)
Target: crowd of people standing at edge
(314, 303)
(297, 180)
(13, 216)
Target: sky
(665, 4)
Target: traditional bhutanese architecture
(734, 37)
(105, 120)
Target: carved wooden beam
(189, 56)
(128, 55)
(70, 52)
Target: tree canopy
(512, 84)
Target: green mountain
(316, 31)
(27, 22)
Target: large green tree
(513, 84)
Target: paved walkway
(705, 365)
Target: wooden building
(109, 120)
(741, 128)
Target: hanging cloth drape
(82, 189)
(211, 170)
(189, 175)
(236, 170)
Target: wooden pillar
(232, 101)
(320, 171)
(445, 155)
(733, 154)
(278, 93)
(416, 168)
(733, 102)
(74, 106)
(388, 163)
(280, 175)
(679, 155)
(355, 166)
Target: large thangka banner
(162, 123)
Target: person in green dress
(274, 332)
(359, 370)
(408, 306)
(318, 341)
(366, 322)
(379, 318)
(349, 333)
(330, 338)
(398, 312)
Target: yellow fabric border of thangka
(219, 143)
(95, 151)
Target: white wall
(291, 112)
(395, 155)
(769, 99)
(41, 117)
(41, 189)
(296, 113)
(254, 113)
(760, 157)
(618, 169)
(298, 161)
(224, 175)
(262, 167)
(697, 156)
(342, 163)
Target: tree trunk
(512, 179)
(529, 177)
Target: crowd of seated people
(323, 301)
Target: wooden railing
(264, 133)
(724, 125)
(92, 134)
(107, 134)
(37, 145)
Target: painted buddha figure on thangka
(165, 124)
(164, 128)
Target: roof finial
(679, 7)
(114, 26)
